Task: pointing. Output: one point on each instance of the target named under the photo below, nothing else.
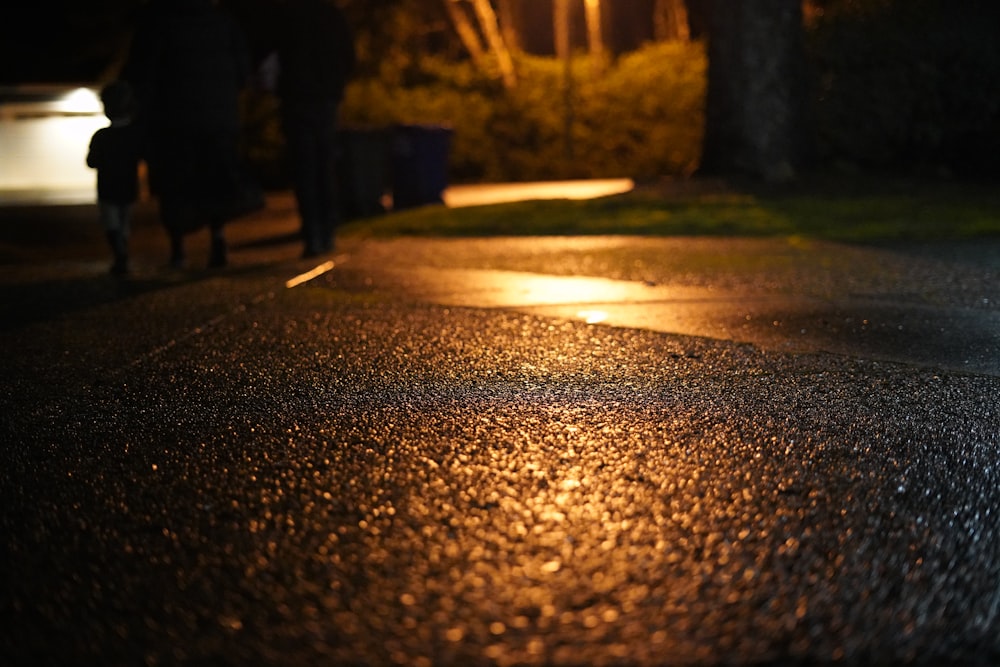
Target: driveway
(431, 452)
(932, 304)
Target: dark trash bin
(363, 171)
(419, 164)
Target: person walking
(189, 63)
(115, 153)
(316, 56)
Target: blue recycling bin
(363, 171)
(419, 164)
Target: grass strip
(843, 211)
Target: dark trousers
(311, 136)
(193, 175)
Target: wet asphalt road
(212, 468)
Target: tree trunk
(595, 35)
(491, 28)
(561, 26)
(509, 22)
(755, 115)
(466, 31)
(564, 51)
(671, 21)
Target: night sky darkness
(62, 41)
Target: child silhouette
(115, 152)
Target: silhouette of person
(315, 50)
(189, 63)
(115, 152)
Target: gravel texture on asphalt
(219, 470)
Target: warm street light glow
(496, 193)
(80, 101)
(595, 36)
(309, 275)
(593, 316)
(45, 132)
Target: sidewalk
(936, 305)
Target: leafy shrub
(896, 83)
(640, 116)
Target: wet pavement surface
(503, 451)
(825, 297)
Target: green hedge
(640, 116)
(901, 84)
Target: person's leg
(218, 256)
(126, 222)
(329, 177)
(114, 218)
(302, 143)
(124, 214)
(172, 160)
(177, 255)
(171, 215)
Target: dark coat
(115, 152)
(316, 52)
(188, 65)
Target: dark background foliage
(894, 84)
(908, 84)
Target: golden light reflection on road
(593, 316)
(591, 300)
(775, 319)
(309, 275)
(487, 289)
(539, 290)
(677, 309)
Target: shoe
(119, 247)
(120, 267)
(177, 255)
(218, 257)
